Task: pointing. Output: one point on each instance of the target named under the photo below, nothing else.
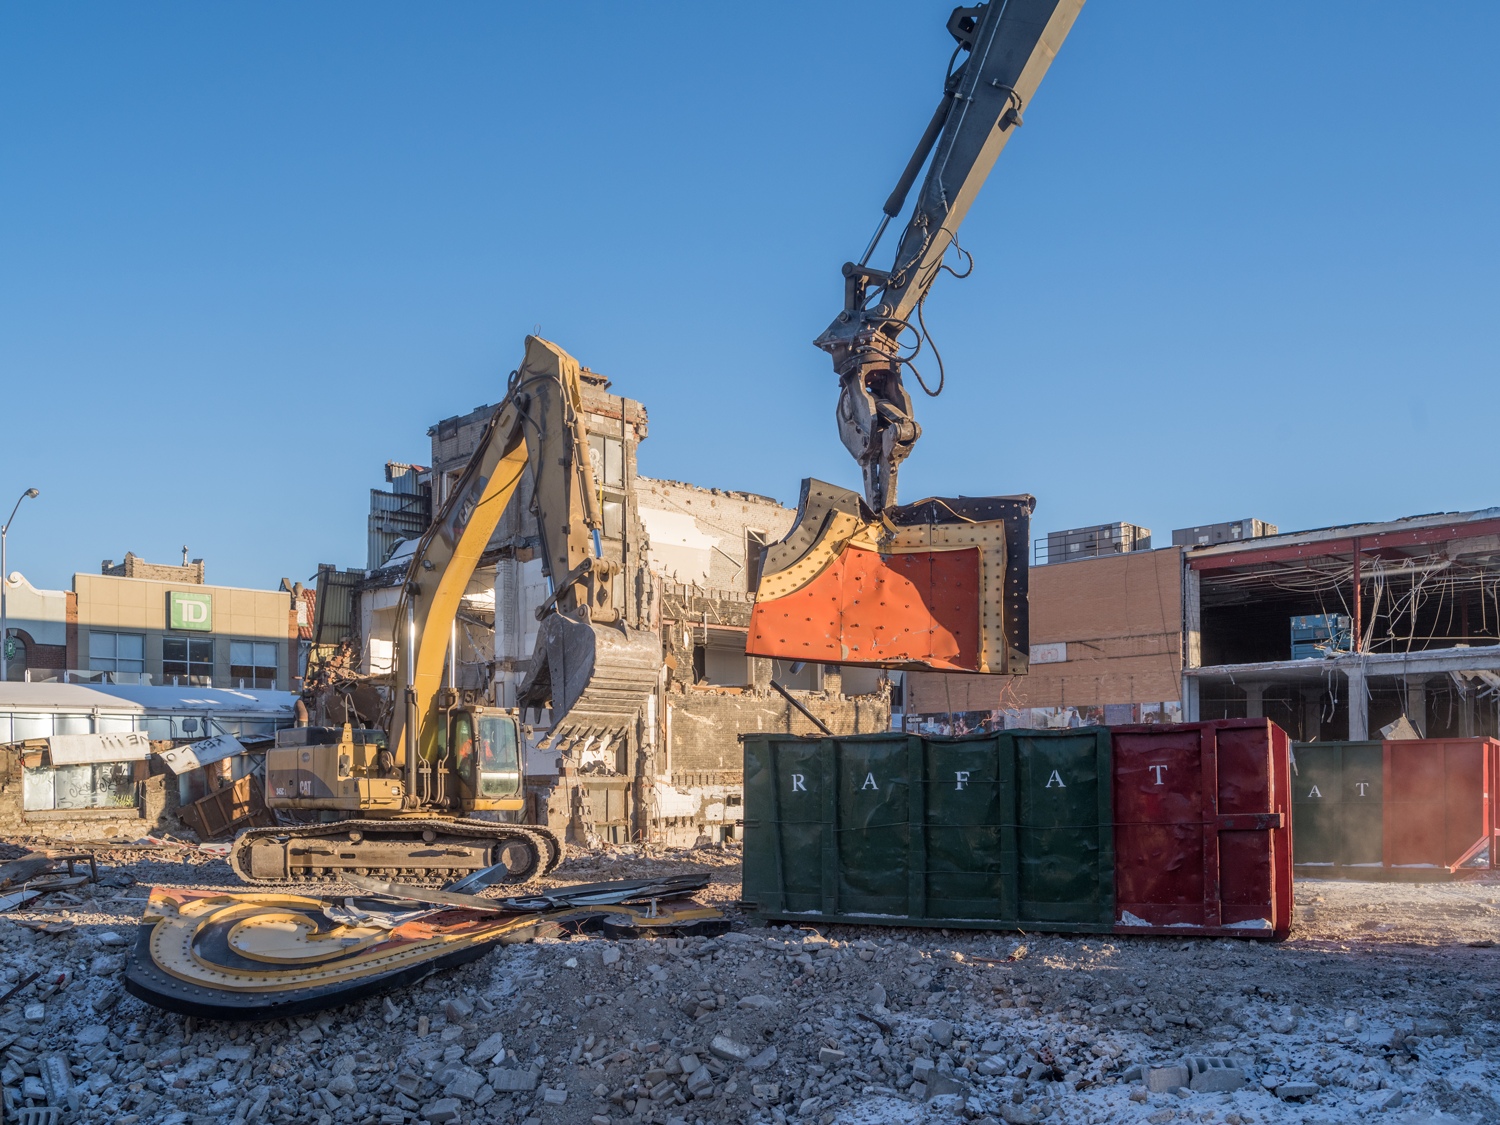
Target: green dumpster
(1337, 807)
(993, 831)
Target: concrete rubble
(770, 1025)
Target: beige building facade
(155, 625)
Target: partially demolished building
(1332, 633)
(689, 557)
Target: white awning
(79, 749)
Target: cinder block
(1213, 1075)
(1160, 1079)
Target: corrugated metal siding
(333, 618)
(394, 516)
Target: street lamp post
(30, 493)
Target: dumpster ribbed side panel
(967, 794)
(874, 826)
(999, 831)
(1065, 839)
(1337, 801)
(784, 829)
(1154, 829)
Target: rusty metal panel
(917, 609)
(1439, 803)
(1202, 828)
(934, 586)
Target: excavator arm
(1009, 44)
(540, 425)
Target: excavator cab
(486, 743)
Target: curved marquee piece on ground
(269, 956)
(936, 585)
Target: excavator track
(428, 851)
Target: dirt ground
(1383, 1005)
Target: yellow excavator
(402, 803)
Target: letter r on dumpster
(797, 780)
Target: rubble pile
(780, 1024)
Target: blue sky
(1241, 260)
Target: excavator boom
(587, 657)
(1009, 45)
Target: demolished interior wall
(690, 557)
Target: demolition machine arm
(1008, 46)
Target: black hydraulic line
(897, 200)
(813, 719)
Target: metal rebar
(810, 716)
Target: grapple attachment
(939, 585)
(595, 677)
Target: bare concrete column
(833, 679)
(1192, 618)
(1255, 707)
(760, 674)
(1466, 725)
(1416, 703)
(1312, 712)
(1359, 704)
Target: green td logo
(191, 611)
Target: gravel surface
(1384, 1005)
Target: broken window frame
(90, 786)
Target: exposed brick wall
(71, 659)
(40, 655)
(157, 811)
(706, 725)
(1121, 619)
(136, 567)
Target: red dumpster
(1203, 829)
(1439, 808)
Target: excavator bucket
(939, 585)
(596, 677)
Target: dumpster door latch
(1251, 822)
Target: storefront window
(187, 662)
(117, 652)
(252, 664)
(97, 785)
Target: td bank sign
(190, 611)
